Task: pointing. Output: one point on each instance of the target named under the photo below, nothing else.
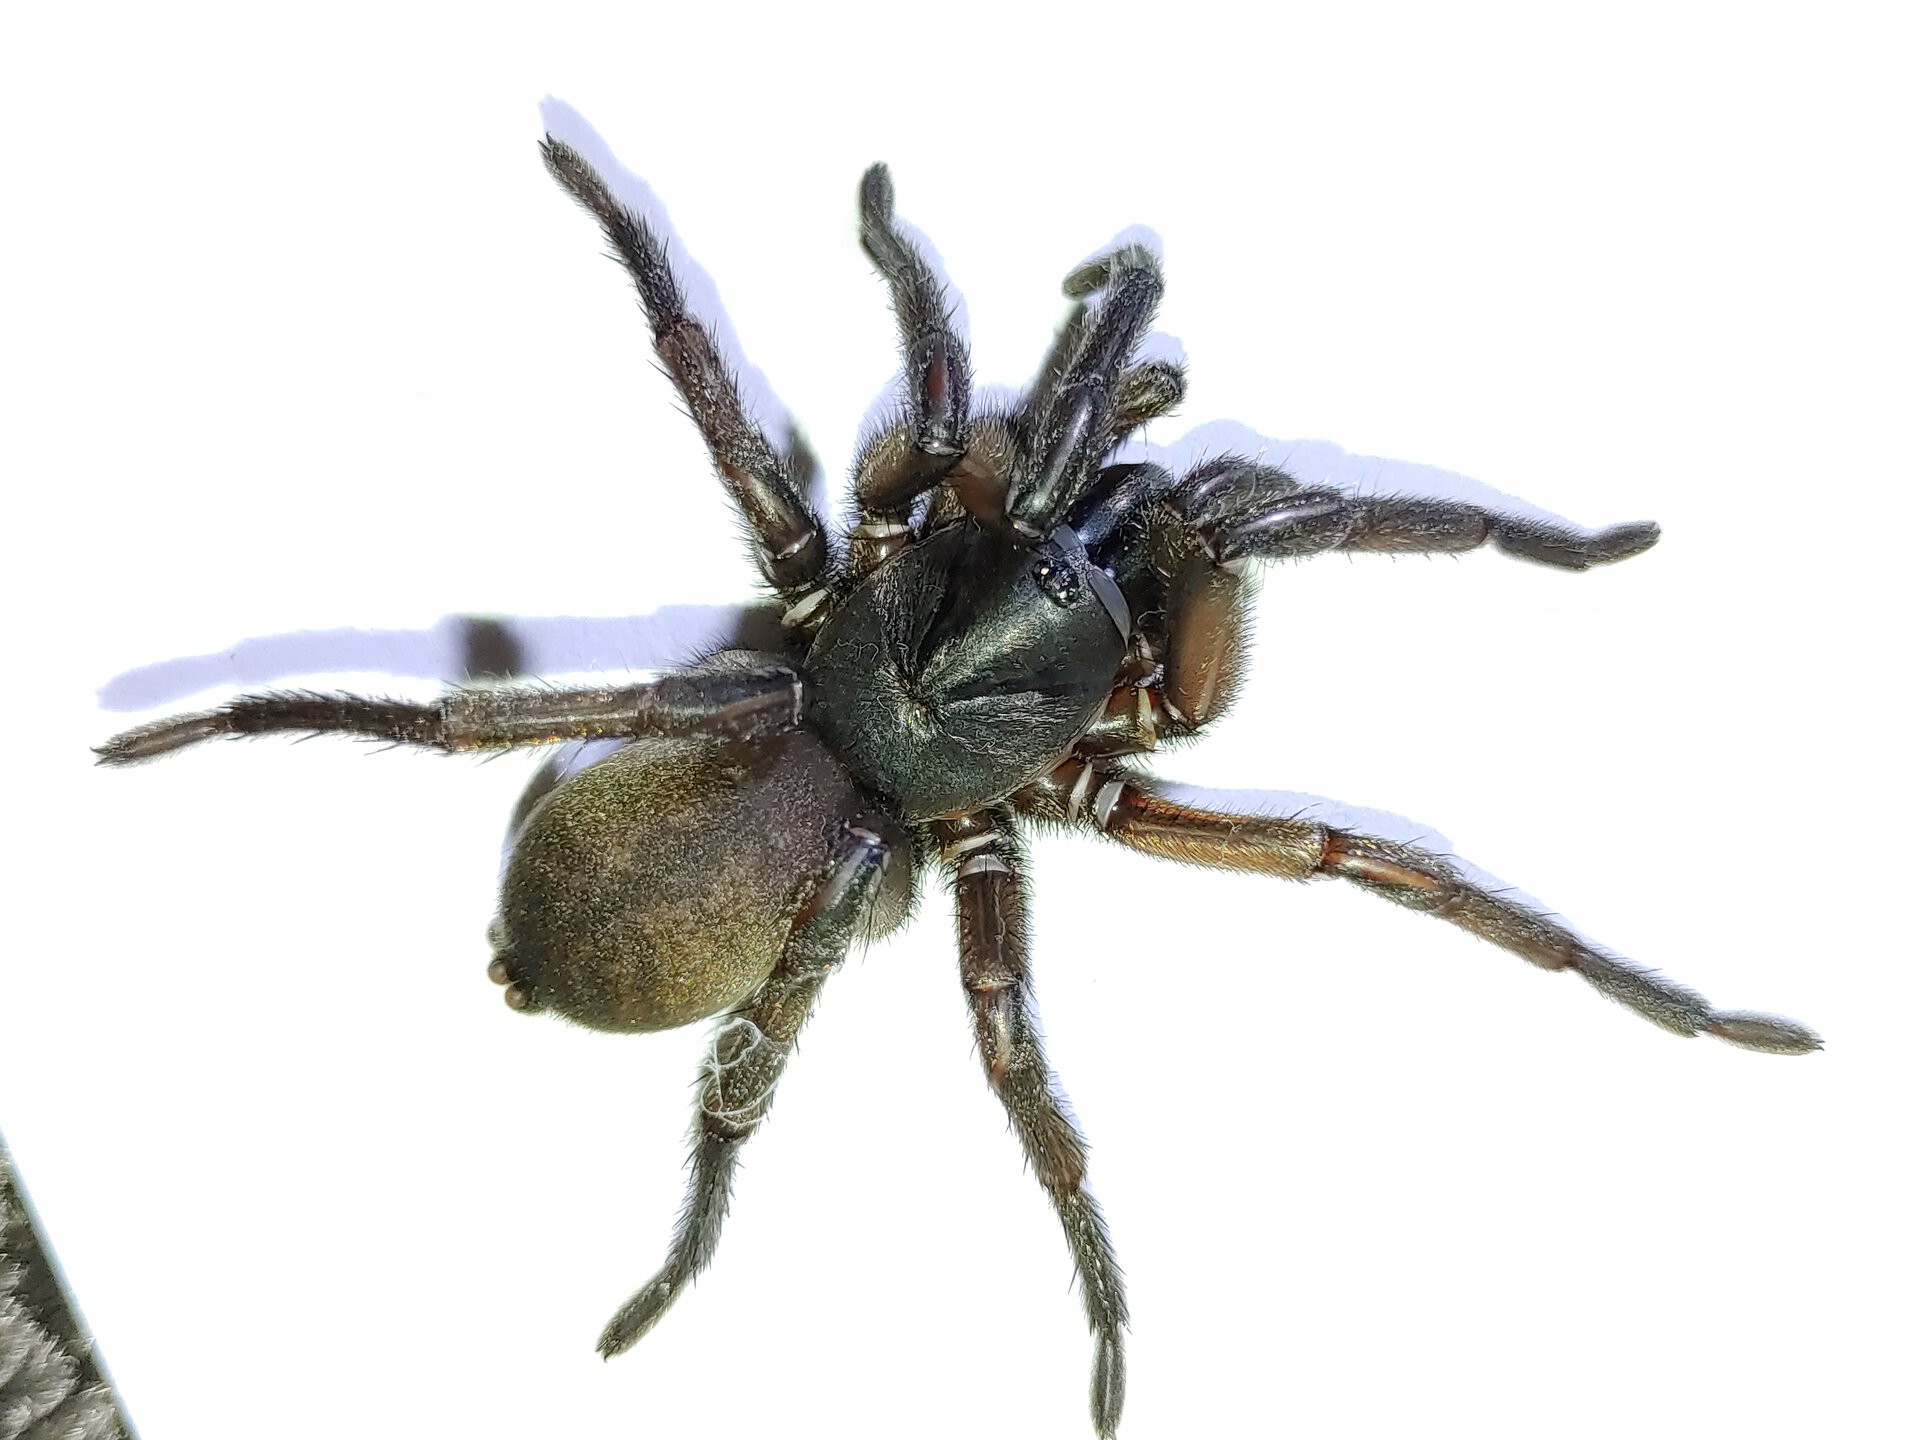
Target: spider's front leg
(990, 906)
(791, 544)
(1246, 511)
(1088, 397)
(731, 704)
(1069, 421)
(914, 454)
(1146, 390)
(1178, 547)
(1135, 811)
(745, 1059)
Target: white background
(301, 336)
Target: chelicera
(1009, 624)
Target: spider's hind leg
(1134, 810)
(990, 904)
(747, 1054)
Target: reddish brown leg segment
(990, 907)
(1131, 810)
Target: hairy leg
(1132, 810)
(1067, 424)
(1145, 391)
(730, 704)
(791, 545)
(1245, 511)
(990, 907)
(1178, 550)
(1002, 446)
(1114, 504)
(748, 1053)
(939, 381)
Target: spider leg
(912, 456)
(1145, 391)
(1178, 550)
(938, 439)
(1067, 426)
(745, 1059)
(792, 545)
(990, 907)
(1067, 342)
(1119, 496)
(979, 484)
(1133, 810)
(982, 483)
(727, 704)
(1245, 511)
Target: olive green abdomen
(659, 885)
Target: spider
(1011, 621)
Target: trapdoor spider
(1008, 624)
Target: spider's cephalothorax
(1008, 621)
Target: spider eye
(1055, 574)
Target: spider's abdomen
(965, 666)
(660, 885)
